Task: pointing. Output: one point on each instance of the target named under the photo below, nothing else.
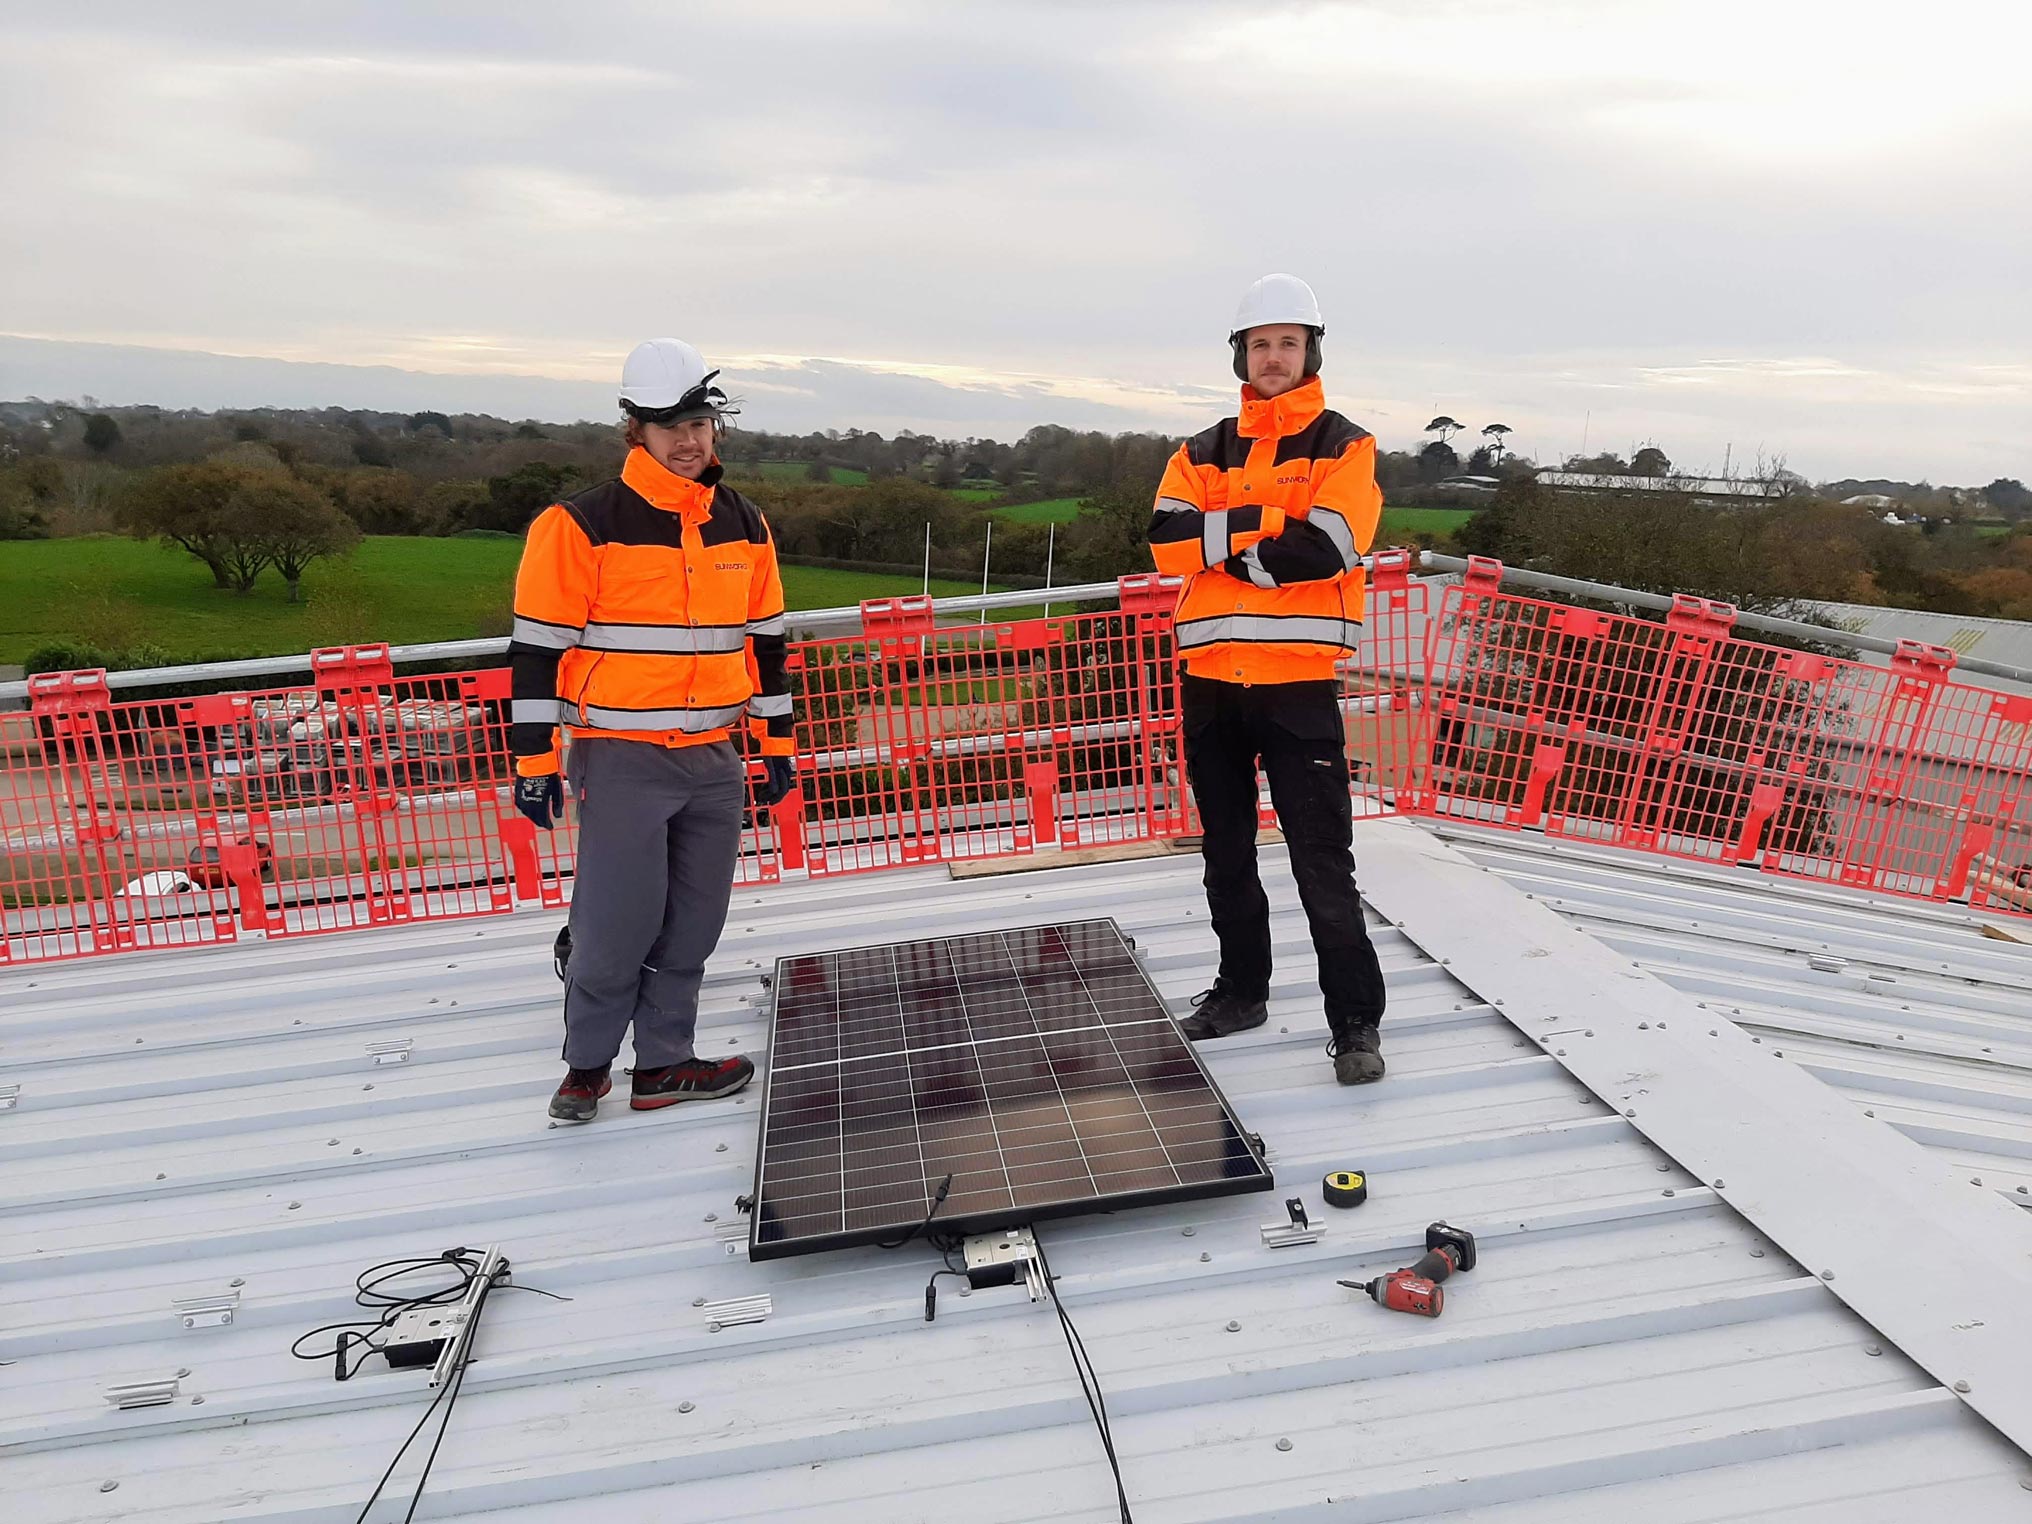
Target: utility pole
(1050, 543)
(987, 550)
(926, 589)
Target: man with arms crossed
(1266, 516)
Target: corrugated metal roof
(1911, 1009)
(1629, 1342)
(2004, 641)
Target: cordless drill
(1415, 1288)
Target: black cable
(370, 1291)
(937, 1201)
(456, 1385)
(1089, 1379)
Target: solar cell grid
(1036, 1067)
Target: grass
(975, 494)
(1055, 510)
(799, 471)
(1405, 521)
(119, 594)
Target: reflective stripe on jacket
(1267, 517)
(649, 608)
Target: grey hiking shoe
(1220, 1012)
(1357, 1056)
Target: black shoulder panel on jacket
(1322, 439)
(614, 513)
(734, 517)
(1220, 447)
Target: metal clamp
(737, 1309)
(212, 1310)
(394, 1050)
(1301, 1229)
(143, 1394)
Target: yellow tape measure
(1345, 1188)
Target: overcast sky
(1761, 225)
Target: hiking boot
(578, 1098)
(1220, 1012)
(1357, 1056)
(693, 1080)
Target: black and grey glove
(541, 798)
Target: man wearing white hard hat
(1266, 517)
(649, 622)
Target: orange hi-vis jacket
(648, 608)
(1267, 517)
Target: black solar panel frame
(1261, 1177)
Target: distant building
(1707, 489)
(1869, 500)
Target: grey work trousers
(659, 835)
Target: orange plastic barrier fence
(361, 798)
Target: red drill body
(1415, 1288)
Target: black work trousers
(1295, 728)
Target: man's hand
(541, 798)
(779, 776)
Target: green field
(119, 594)
(1407, 521)
(1055, 510)
(975, 494)
(797, 471)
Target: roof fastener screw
(162, 1177)
(1631, 1112)
(966, 1291)
(237, 1280)
(1827, 1275)
(1868, 1113)
(712, 1328)
(1963, 1387)
(684, 1407)
(1873, 1349)
(197, 1401)
(1205, 1258)
(1718, 1183)
(698, 1301)
(358, 1151)
(1589, 1032)
(712, 1217)
(1187, 1232)
(1663, 1168)
(1714, 1031)
(1233, 1326)
(1756, 1254)
(1284, 1029)
(1559, 1052)
(294, 1205)
(1975, 1180)
(331, 1143)
(1284, 1444)
(720, 1148)
(366, 1087)
(185, 1371)
(2025, 1482)
(1643, 1026)
(1670, 1191)
(107, 1486)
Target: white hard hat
(668, 378)
(1278, 299)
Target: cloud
(964, 212)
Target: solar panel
(1038, 1068)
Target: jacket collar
(1286, 413)
(644, 475)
